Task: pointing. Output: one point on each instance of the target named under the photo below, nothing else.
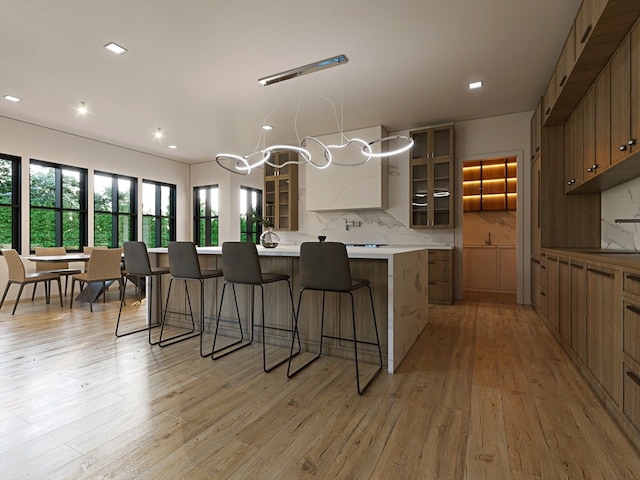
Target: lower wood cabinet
(579, 309)
(441, 277)
(604, 339)
(490, 269)
(593, 310)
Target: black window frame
(157, 216)
(16, 197)
(59, 209)
(116, 241)
(208, 218)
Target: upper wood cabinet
(536, 131)
(434, 142)
(281, 192)
(605, 126)
(598, 29)
(431, 178)
(565, 64)
(586, 19)
(625, 83)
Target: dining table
(87, 294)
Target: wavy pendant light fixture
(242, 165)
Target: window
(115, 209)
(58, 206)
(10, 201)
(158, 213)
(205, 216)
(250, 207)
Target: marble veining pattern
(621, 202)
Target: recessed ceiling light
(11, 98)
(474, 85)
(158, 134)
(115, 48)
(82, 108)
(172, 147)
(267, 127)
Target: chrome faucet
(488, 240)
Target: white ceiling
(192, 66)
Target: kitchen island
(399, 281)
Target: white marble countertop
(291, 250)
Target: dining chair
(241, 266)
(138, 268)
(61, 267)
(324, 267)
(103, 266)
(184, 265)
(18, 275)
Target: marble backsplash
(621, 202)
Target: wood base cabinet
(441, 277)
(594, 313)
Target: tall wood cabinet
(431, 178)
(281, 192)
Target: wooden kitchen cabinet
(625, 83)
(604, 341)
(578, 309)
(631, 346)
(441, 277)
(586, 19)
(565, 63)
(281, 192)
(553, 290)
(536, 131)
(603, 119)
(431, 178)
(565, 290)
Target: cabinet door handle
(535, 260)
(631, 141)
(635, 278)
(622, 148)
(586, 33)
(564, 79)
(543, 294)
(599, 272)
(546, 112)
(634, 309)
(633, 377)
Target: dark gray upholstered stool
(138, 269)
(183, 265)
(324, 267)
(241, 266)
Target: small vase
(269, 239)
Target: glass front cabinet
(431, 181)
(281, 192)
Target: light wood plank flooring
(484, 394)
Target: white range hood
(362, 187)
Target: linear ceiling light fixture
(12, 98)
(243, 164)
(298, 72)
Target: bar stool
(137, 266)
(241, 266)
(324, 266)
(184, 265)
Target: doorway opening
(490, 226)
